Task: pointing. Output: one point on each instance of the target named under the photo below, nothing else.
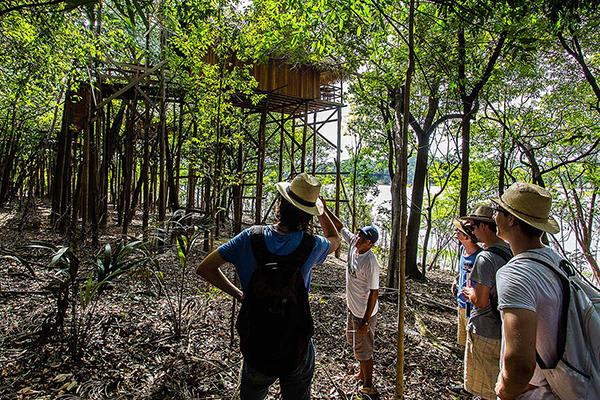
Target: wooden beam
(131, 84)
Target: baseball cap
(370, 232)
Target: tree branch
(489, 68)
(32, 5)
(577, 54)
(566, 162)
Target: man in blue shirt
(469, 249)
(468, 252)
(298, 203)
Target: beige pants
(461, 327)
(482, 365)
(362, 345)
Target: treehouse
(284, 132)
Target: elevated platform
(289, 105)
(291, 90)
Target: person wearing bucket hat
(484, 329)
(362, 293)
(468, 250)
(287, 251)
(530, 295)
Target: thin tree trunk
(162, 139)
(403, 172)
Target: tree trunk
(162, 139)
(414, 221)
(128, 164)
(402, 170)
(61, 180)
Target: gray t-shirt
(484, 321)
(529, 285)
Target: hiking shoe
(368, 390)
(458, 390)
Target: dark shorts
(294, 386)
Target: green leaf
(107, 255)
(141, 13)
(182, 249)
(130, 11)
(58, 256)
(73, 4)
(40, 245)
(89, 286)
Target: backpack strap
(562, 274)
(503, 254)
(506, 256)
(303, 250)
(257, 242)
(297, 257)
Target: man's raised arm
(330, 229)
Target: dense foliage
(502, 91)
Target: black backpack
(274, 323)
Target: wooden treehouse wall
(277, 76)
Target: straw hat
(530, 203)
(461, 225)
(482, 213)
(303, 193)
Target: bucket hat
(481, 213)
(530, 203)
(303, 193)
(461, 225)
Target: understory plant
(182, 309)
(111, 262)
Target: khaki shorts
(482, 365)
(461, 327)
(362, 345)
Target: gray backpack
(576, 375)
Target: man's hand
(329, 217)
(468, 292)
(500, 389)
(323, 201)
(363, 329)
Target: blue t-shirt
(465, 267)
(238, 251)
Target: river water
(383, 201)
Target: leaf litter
(131, 352)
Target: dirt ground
(130, 351)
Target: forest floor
(129, 350)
